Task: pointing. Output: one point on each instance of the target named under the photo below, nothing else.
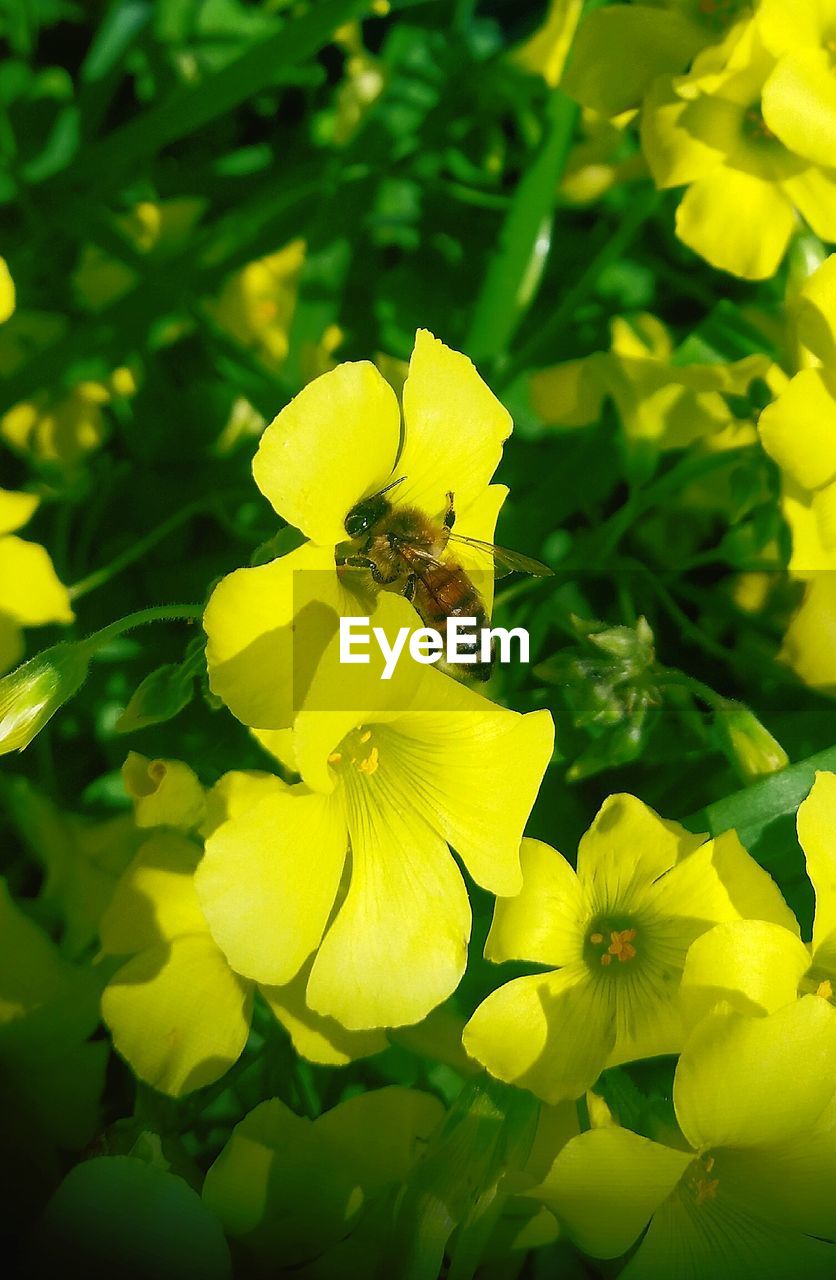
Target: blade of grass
(192, 107)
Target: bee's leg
(365, 562)
(450, 512)
(409, 588)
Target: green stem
(158, 613)
(100, 577)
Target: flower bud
(33, 693)
(746, 742)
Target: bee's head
(363, 517)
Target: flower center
(817, 983)
(700, 1182)
(358, 750)
(609, 941)
(755, 127)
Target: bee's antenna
(391, 485)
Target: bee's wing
(506, 561)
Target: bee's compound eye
(358, 521)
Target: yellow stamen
(371, 762)
(707, 1189)
(335, 757)
(364, 737)
(606, 960)
(621, 945)
(825, 989)
(709, 1162)
(596, 938)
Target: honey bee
(402, 548)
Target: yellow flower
(30, 592)
(798, 430)
(177, 1011)
(621, 49)
(545, 52)
(313, 1199)
(660, 403)
(337, 442)
(256, 304)
(745, 137)
(751, 1194)
(619, 930)
(428, 768)
(759, 967)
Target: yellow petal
(798, 430)
(233, 794)
(628, 840)
(619, 51)
(752, 891)
(155, 900)
(166, 793)
(551, 1033)
(454, 429)
(30, 592)
(816, 308)
(321, 1040)
(749, 1082)
(334, 444)
(603, 1212)
(16, 508)
(783, 27)
(799, 104)
(544, 922)
(751, 965)
(269, 878)
(813, 192)
(7, 292)
(817, 836)
(678, 140)
(267, 628)
(737, 221)
(178, 1014)
(398, 945)
(569, 394)
(478, 521)
(810, 641)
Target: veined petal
(544, 922)
(817, 312)
(258, 663)
(398, 945)
(816, 821)
(455, 746)
(319, 1039)
(752, 965)
(155, 900)
(798, 430)
(619, 51)
(178, 1014)
(799, 104)
(692, 1237)
(551, 1033)
(30, 592)
(606, 1184)
(737, 221)
(335, 443)
(269, 878)
(792, 1184)
(454, 429)
(754, 1082)
(628, 847)
(233, 794)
